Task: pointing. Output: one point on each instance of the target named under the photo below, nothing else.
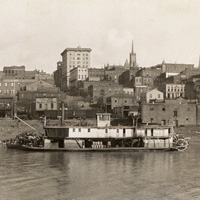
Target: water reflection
(100, 175)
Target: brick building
(119, 104)
(172, 69)
(96, 74)
(178, 112)
(98, 91)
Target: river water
(99, 175)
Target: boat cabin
(103, 119)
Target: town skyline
(43, 29)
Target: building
(10, 87)
(57, 74)
(119, 104)
(129, 91)
(14, 71)
(44, 103)
(143, 80)
(35, 86)
(138, 90)
(172, 69)
(175, 113)
(98, 91)
(95, 74)
(149, 72)
(77, 75)
(85, 85)
(72, 58)
(126, 78)
(6, 106)
(113, 73)
(192, 87)
(152, 96)
(174, 91)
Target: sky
(35, 32)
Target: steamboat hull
(127, 149)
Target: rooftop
(76, 49)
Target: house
(152, 96)
(44, 103)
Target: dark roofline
(76, 49)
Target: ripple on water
(125, 175)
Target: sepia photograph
(99, 100)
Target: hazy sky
(34, 32)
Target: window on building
(115, 100)
(175, 113)
(151, 109)
(159, 96)
(163, 109)
(6, 84)
(40, 105)
(52, 106)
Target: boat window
(73, 129)
(145, 132)
(124, 132)
(88, 129)
(79, 130)
(152, 132)
(117, 130)
(106, 130)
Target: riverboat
(104, 137)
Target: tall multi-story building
(72, 58)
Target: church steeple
(132, 48)
(133, 63)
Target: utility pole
(63, 113)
